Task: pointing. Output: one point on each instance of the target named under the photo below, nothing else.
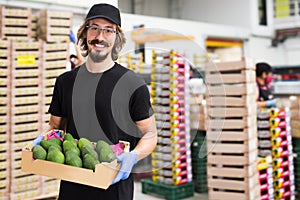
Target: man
(103, 100)
(265, 97)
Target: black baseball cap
(106, 11)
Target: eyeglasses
(107, 32)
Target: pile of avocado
(68, 151)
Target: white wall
(228, 12)
(260, 49)
(180, 27)
(157, 8)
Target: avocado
(55, 155)
(73, 159)
(70, 138)
(47, 143)
(39, 152)
(70, 146)
(89, 161)
(84, 141)
(88, 149)
(105, 151)
(56, 141)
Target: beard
(97, 56)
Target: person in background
(265, 97)
(75, 60)
(102, 100)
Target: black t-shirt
(264, 92)
(101, 106)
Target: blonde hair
(83, 43)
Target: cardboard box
(102, 177)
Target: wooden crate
(231, 172)
(54, 26)
(26, 195)
(26, 179)
(33, 126)
(15, 23)
(54, 64)
(231, 89)
(231, 135)
(247, 194)
(235, 77)
(232, 147)
(237, 184)
(231, 123)
(217, 112)
(24, 136)
(243, 64)
(232, 101)
(53, 73)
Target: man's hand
(128, 160)
(72, 37)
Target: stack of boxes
(231, 130)
(5, 61)
(265, 171)
(29, 68)
(171, 160)
(54, 26)
(265, 167)
(25, 113)
(15, 23)
(282, 152)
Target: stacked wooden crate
(25, 113)
(231, 130)
(54, 29)
(15, 23)
(54, 57)
(5, 74)
(54, 26)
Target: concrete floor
(138, 195)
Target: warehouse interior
(199, 60)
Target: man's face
(101, 38)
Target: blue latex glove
(128, 160)
(72, 37)
(37, 140)
(271, 103)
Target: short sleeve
(140, 105)
(56, 102)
